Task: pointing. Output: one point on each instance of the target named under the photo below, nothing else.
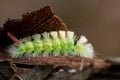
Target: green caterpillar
(52, 44)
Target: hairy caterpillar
(52, 43)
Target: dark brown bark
(43, 20)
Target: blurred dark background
(98, 20)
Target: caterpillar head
(53, 43)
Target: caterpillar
(52, 43)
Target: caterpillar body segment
(55, 43)
(52, 44)
(70, 42)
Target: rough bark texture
(96, 69)
(43, 20)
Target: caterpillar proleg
(53, 43)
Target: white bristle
(26, 39)
(88, 51)
(46, 35)
(62, 34)
(54, 34)
(70, 35)
(36, 37)
(83, 39)
(14, 52)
